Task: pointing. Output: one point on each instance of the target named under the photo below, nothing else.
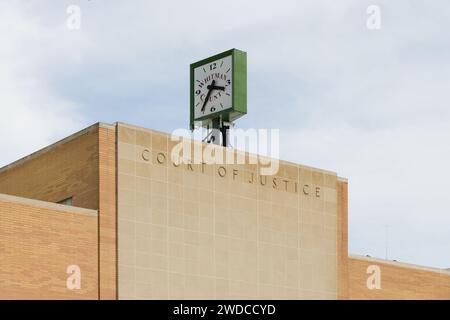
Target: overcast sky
(372, 105)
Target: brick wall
(107, 213)
(67, 169)
(342, 238)
(398, 281)
(38, 241)
(82, 166)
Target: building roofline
(290, 163)
(55, 144)
(47, 205)
(400, 264)
(113, 126)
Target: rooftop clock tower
(218, 90)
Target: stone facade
(216, 231)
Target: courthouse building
(109, 206)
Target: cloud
(371, 105)
(33, 115)
(376, 112)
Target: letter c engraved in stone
(146, 155)
(306, 189)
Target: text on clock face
(213, 87)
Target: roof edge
(282, 161)
(47, 205)
(55, 144)
(400, 264)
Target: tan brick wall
(107, 214)
(37, 244)
(398, 281)
(69, 168)
(82, 166)
(342, 235)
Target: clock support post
(225, 134)
(219, 128)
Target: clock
(218, 87)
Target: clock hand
(215, 87)
(209, 93)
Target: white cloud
(371, 105)
(377, 113)
(32, 114)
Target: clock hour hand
(213, 87)
(210, 89)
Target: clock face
(213, 87)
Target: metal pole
(387, 240)
(224, 131)
(215, 137)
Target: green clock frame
(239, 88)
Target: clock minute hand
(209, 93)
